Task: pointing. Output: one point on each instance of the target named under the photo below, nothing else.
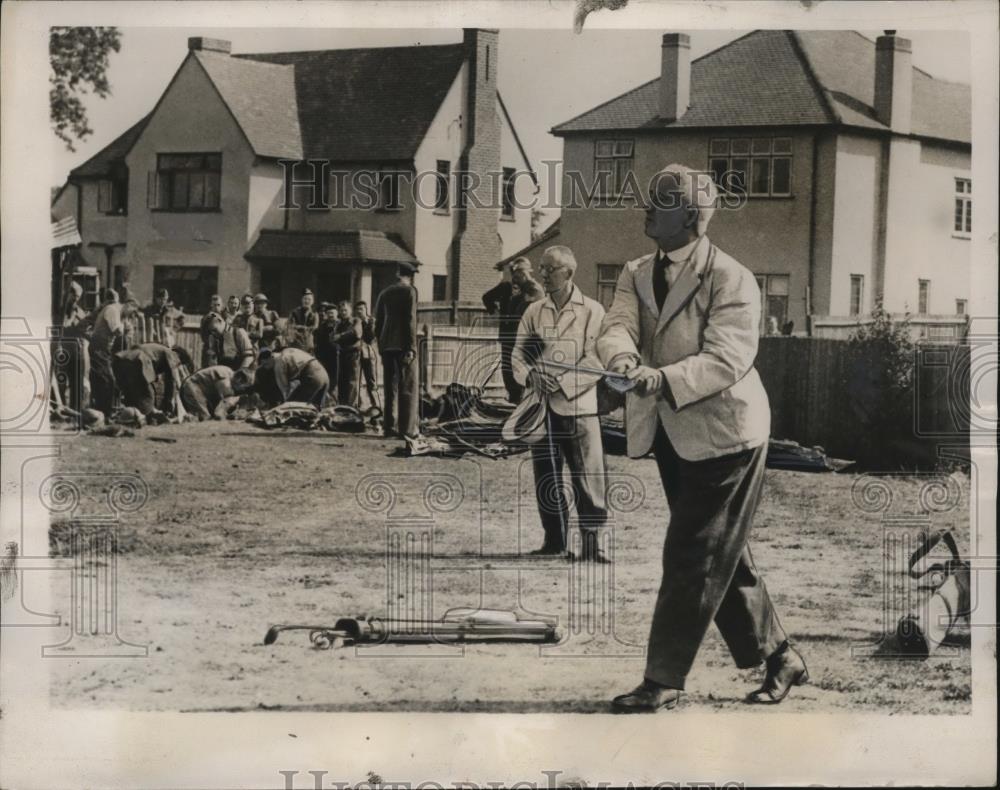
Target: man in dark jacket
(304, 321)
(396, 319)
(136, 373)
(324, 347)
(509, 299)
(367, 352)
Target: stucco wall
(921, 242)
(100, 228)
(516, 232)
(191, 117)
(855, 221)
(768, 235)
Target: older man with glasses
(562, 328)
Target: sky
(545, 77)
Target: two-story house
(319, 169)
(849, 171)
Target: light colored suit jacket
(705, 341)
(546, 334)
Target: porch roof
(370, 246)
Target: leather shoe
(547, 551)
(785, 668)
(647, 697)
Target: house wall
(768, 235)
(191, 117)
(855, 243)
(920, 238)
(96, 227)
(435, 231)
(515, 232)
(824, 196)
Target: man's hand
(649, 381)
(408, 357)
(623, 365)
(541, 381)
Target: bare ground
(246, 528)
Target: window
(388, 191)
(612, 164)
(187, 182)
(857, 293)
(112, 196)
(963, 206)
(923, 297)
(607, 278)
(760, 166)
(961, 306)
(442, 197)
(190, 287)
(774, 301)
(508, 193)
(439, 287)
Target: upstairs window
(758, 166)
(507, 211)
(439, 287)
(187, 182)
(613, 160)
(963, 207)
(112, 196)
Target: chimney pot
(202, 44)
(675, 76)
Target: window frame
(923, 297)
(962, 307)
(614, 159)
(961, 226)
(605, 279)
(170, 176)
(743, 154)
(436, 280)
(764, 282)
(859, 279)
(392, 176)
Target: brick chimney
(894, 81)
(202, 44)
(477, 246)
(675, 76)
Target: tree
(79, 58)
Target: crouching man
(293, 375)
(137, 371)
(684, 326)
(562, 328)
(209, 393)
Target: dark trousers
(137, 391)
(371, 383)
(197, 401)
(514, 390)
(574, 442)
(348, 374)
(708, 572)
(312, 385)
(330, 361)
(102, 380)
(401, 394)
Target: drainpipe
(812, 235)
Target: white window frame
(962, 221)
(613, 153)
(607, 277)
(748, 150)
(858, 279)
(923, 295)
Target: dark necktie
(660, 286)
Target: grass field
(245, 528)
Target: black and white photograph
(586, 393)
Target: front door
(333, 286)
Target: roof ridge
(734, 41)
(114, 140)
(255, 55)
(822, 91)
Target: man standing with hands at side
(684, 326)
(396, 319)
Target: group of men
(320, 356)
(682, 332)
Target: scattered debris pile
(305, 416)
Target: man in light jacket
(562, 328)
(684, 325)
